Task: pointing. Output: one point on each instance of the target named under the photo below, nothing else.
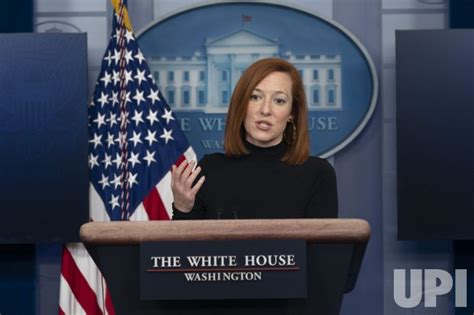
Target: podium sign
(200, 270)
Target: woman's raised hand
(182, 178)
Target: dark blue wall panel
(17, 279)
(43, 137)
(461, 14)
(16, 16)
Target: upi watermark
(428, 283)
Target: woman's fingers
(180, 169)
(177, 172)
(173, 175)
(192, 176)
(187, 171)
(183, 175)
(198, 185)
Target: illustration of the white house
(205, 82)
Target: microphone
(235, 212)
(219, 212)
(222, 214)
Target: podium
(334, 249)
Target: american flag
(134, 139)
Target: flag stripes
(84, 281)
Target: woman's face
(269, 110)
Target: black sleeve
(199, 209)
(323, 203)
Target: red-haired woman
(266, 171)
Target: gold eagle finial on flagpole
(118, 4)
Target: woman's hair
(297, 139)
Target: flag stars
(117, 161)
(106, 78)
(107, 161)
(93, 161)
(96, 140)
(114, 202)
(117, 181)
(104, 181)
(136, 138)
(132, 179)
(121, 138)
(128, 76)
(114, 98)
(139, 57)
(129, 36)
(127, 98)
(153, 96)
(149, 158)
(134, 159)
(168, 115)
(108, 58)
(167, 135)
(138, 97)
(124, 139)
(152, 117)
(151, 137)
(116, 77)
(124, 118)
(100, 120)
(140, 76)
(112, 119)
(118, 29)
(103, 99)
(137, 117)
(128, 56)
(116, 56)
(110, 139)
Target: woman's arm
(196, 213)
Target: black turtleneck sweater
(260, 186)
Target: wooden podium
(335, 248)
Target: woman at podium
(266, 170)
